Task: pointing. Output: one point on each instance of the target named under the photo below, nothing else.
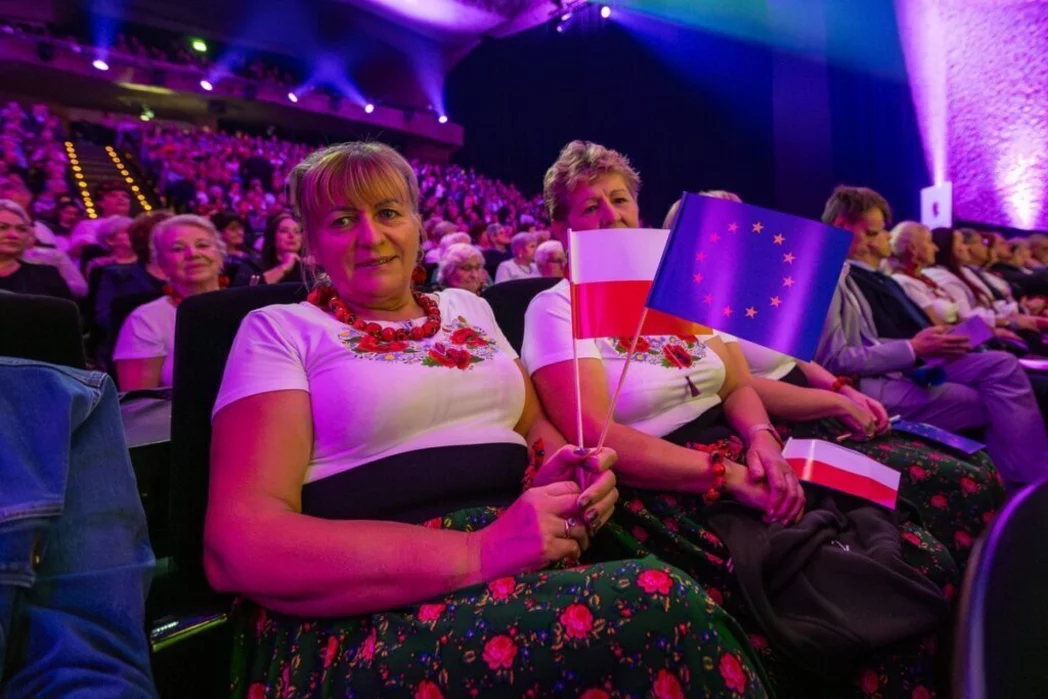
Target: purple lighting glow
(979, 77)
(292, 97)
(99, 64)
(369, 108)
(207, 85)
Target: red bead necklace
(326, 297)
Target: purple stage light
(207, 85)
(605, 12)
(369, 108)
(99, 64)
(292, 97)
(443, 119)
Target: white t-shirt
(926, 297)
(371, 400)
(150, 332)
(656, 398)
(763, 362)
(511, 270)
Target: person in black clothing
(279, 262)
(18, 276)
(1024, 282)
(232, 229)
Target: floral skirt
(955, 494)
(633, 628)
(671, 527)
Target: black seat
(42, 328)
(509, 300)
(1003, 634)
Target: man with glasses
(551, 259)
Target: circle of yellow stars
(788, 258)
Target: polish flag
(833, 466)
(611, 275)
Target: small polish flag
(611, 275)
(833, 466)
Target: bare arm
(258, 543)
(137, 374)
(534, 424)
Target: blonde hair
(161, 229)
(358, 173)
(15, 208)
(712, 193)
(454, 257)
(581, 162)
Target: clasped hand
(767, 482)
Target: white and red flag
(833, 466)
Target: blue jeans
(75, 560)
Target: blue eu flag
(757, 274)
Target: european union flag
(757, 274)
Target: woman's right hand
(543, 526)
(861, 422)
(755, 495)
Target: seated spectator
(550, 259)
(1011, 267)
(498, 237)
(68, 213)
(113, 199)
(113, 236)
(683, 409)
(462, 267)
(522, 265)
(279, 261)
(874, 331)
(307, 471)
(19, 276)
(982, 256)
(44, 248)
(189, 251)
(446, 234)
(913, 250)
(231, 228)
(1039, 251)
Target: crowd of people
(637, 569)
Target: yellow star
(698, 278)
(788, 258)
(727, 311)
(787, 281)
(751, 312)
(733, 228)
(757, 227)
(775, 301)
(779, 239)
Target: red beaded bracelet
(717, 489)
(840, 383)
(538, 456)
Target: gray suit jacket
(849, 344)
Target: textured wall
(979, 73)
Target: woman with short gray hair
(522, 264)
(462, 267)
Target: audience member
(462, 267)
(550, 259)
(1009, 263)
(190, 252)
(874, 331)
(113, 236)
(446, 241)
(113, 199)
(44, 246)
(522, 265)
(498, 251)
(279, 261)
(913, 250)
(17, 275)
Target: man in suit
(873, 330)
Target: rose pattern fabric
(669, 351)
(458, 345)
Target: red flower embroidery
(968, 485)
(370, 344)
(367, 651)
(634, 505)
(667, 686)
(677, 356)
(988, 516)
(939, 502)
(623, 344)
(502, 588)
(688, 338)
(577, 620)
(758, 642)
(257, 691)
(499, 652)
(917, 473)
(962, 539)
(655, 582)
(594, 694)
(912, 538)
(868, 682)
(715, 595)
(330, 651)
(732, 672)
(450, 357)
(468, 337)
(430, 612)
(919, 692)
(640, 533)
(428, 690)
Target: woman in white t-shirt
(189, 251)
(676, 429)
(345, 422)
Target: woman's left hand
(591, 470)
(764, 461)
(874, 407)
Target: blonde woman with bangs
(368, 453)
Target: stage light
(99, 64)
(443, 118)
(605, 12)
(207, 85)
(198, 45)
(560, 28)
(565, 17)
(293, 97)
(369, 108)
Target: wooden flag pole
(622, 380)
(575, 361)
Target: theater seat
(510, 301)
(41, 328)
(1003, 635)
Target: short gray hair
(170, 224)
(520, 240)
(548, 250)
(109, 227)
(454, 257)
(903, 234)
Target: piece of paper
(937, 434)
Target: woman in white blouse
(912, 252)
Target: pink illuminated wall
(979, 74)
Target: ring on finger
(569, 524)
